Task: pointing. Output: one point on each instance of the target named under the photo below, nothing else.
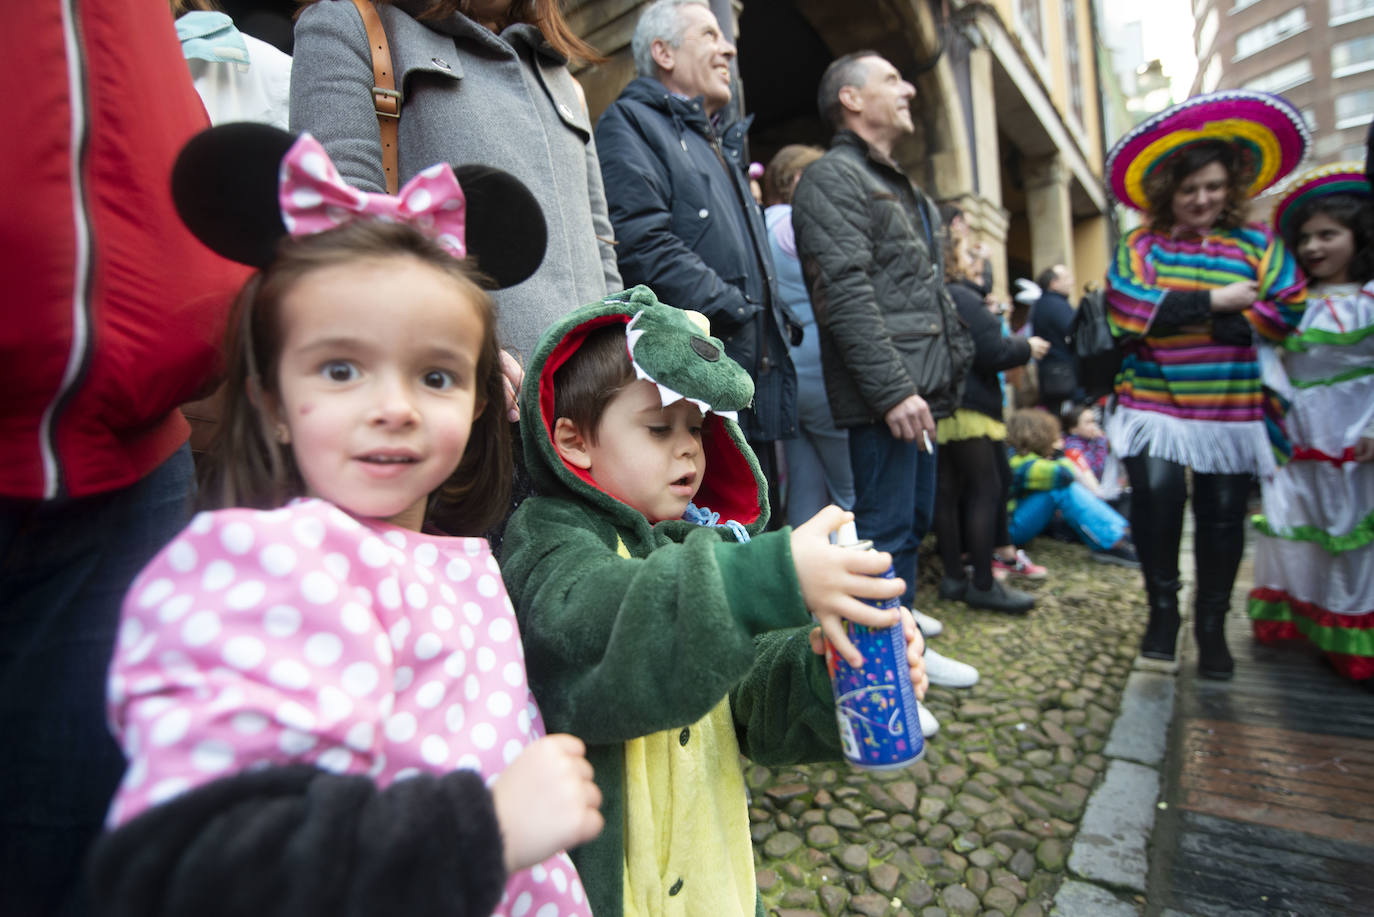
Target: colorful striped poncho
(1181, 395)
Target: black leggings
(970, 489)
(1159, 489)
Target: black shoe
(999, 598)
(1123, 555)
(1213, 658)
(951, 588)
(1161, 633)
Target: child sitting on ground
(1043, 485)
(1087, 446)
(667, 642)
(1084, 442)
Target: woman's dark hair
(545, 15)
(245, 465)
(1070, 413)
(1163, 182)
(1355, 214)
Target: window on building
(1281, 78)
(1267, 34)
(1309, 117)
(1353, 56)
(1354, 108)
(1354, 153)
(1211, 76)
(1242, 4)
(1207, 34)
(1031, 18)
(1073, 59)
(1343, 11)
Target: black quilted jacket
(868, 243)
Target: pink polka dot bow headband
(314, 198)
(240, 187)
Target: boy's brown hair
(596, 372)
(1032, 431)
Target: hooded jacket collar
(686, 113)
(732, 485)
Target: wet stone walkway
(984, 824)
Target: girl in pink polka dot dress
(324, 707)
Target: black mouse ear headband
(240, 187)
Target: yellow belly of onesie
(687, 846)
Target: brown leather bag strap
(386, 100)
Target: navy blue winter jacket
(688, 227)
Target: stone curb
(1120, 842)
(1110, 855)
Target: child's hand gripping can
(880, 727)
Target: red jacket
(112, 312)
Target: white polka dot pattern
(300, 635)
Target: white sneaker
(929, 724)
(929, 626)
(949, 673)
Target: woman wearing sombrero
(1190, 294)
(1315, 553)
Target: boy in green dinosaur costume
(671, 635)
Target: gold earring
(283, 434)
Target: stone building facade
(1008, 115)
(1319, 54)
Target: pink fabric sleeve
(240, 645)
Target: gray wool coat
(470, 97)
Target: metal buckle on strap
(387, 102)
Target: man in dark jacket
(684, 218)
(893, 349)
(1051, 318)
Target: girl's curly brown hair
(1032, 431)
(1163, 181)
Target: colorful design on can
(874, 705)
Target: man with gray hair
(686, 222)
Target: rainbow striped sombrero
(1336, 178)
(1267, 128)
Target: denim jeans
(64, 568)
(894, 490)
(1091, 518)
(818, 467)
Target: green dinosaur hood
(668, 347)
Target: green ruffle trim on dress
(1362, 535)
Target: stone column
(1048, 211)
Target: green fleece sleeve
(618, 648)
(784, 708)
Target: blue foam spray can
(880, 728)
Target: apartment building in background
(1317, 54)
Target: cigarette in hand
(925, 438)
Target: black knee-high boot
(1161, 633)
(1219, 541)
(1159, 491)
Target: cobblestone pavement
(984, 823)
